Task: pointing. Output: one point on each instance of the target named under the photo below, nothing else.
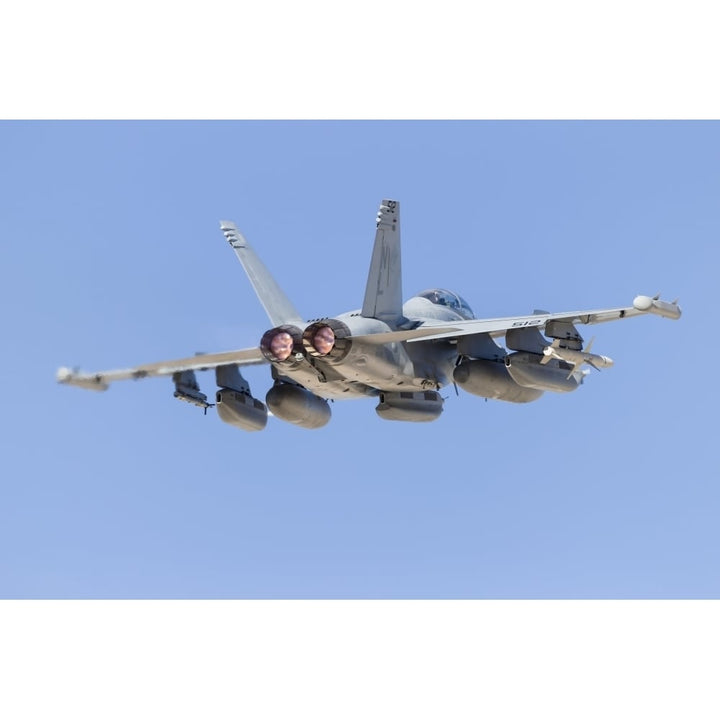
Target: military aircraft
(400, 354)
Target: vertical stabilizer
(277, 305)
(383, 294)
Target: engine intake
(282, 344)
(327, 339)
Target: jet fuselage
(371, 368)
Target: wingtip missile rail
(66, 376)
(656, 306)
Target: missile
(527, 370)
(656, 306)
(575, 357)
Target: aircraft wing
(496, 327)
(101, 380)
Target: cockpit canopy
(452, 300)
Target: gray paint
(383, 292)
(525, 369)
(400, 353)
(277, 305)
(240, 410)
(491, 379)
(410, 406)
(298, 406)
(188, 390)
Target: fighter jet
(400, 354)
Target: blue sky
(113, 256)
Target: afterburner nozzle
(282, 344)
(323, 340)
(327, 340)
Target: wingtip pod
(66, 376)
(654, 305)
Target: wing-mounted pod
(283, 345)
(491, 379)
(235, 405)
(656, 306)
(482, 371)
(327, 339)
(567, 347)
(529, 367)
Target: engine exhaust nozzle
(282, 344)
(327, 340)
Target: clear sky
(113, 256)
